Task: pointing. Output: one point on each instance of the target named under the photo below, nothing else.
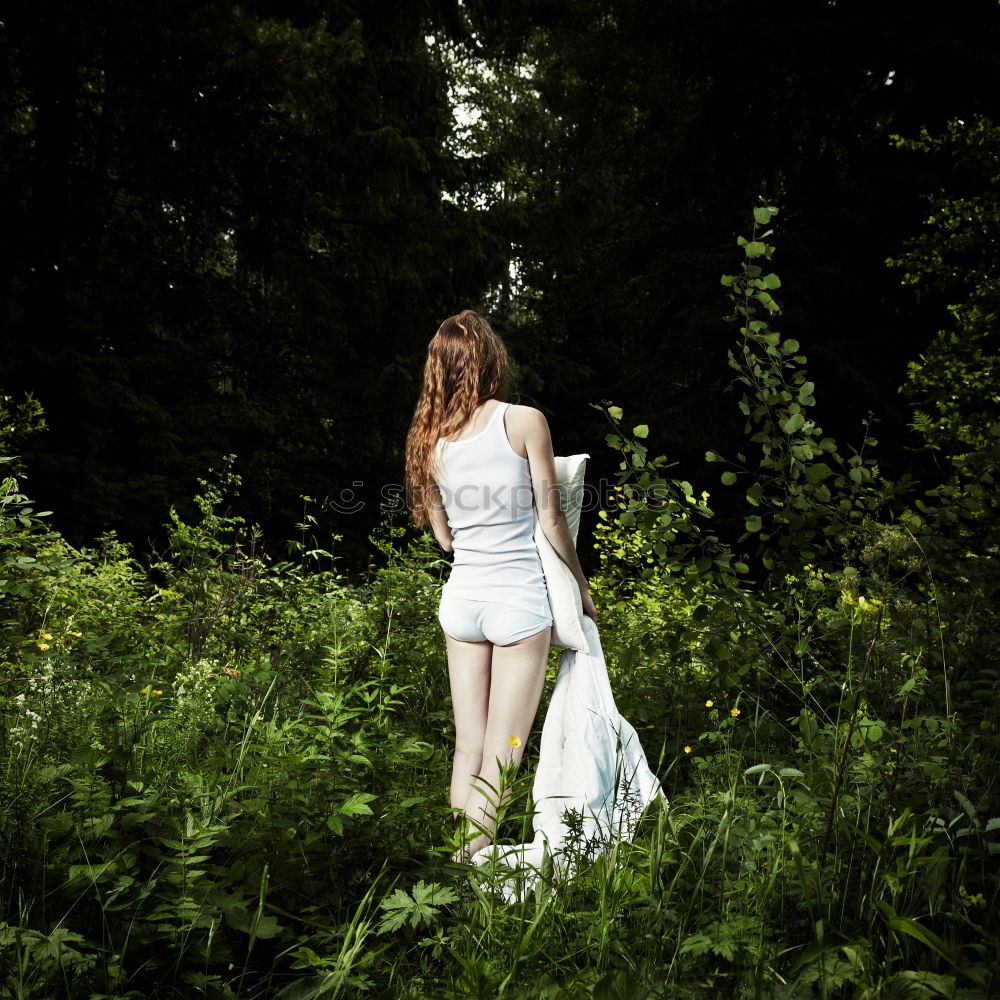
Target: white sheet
(590, 761)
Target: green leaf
(615, 412)
(806, 390)
(755, 249)
(399, 906)
(641, 431)
(357, 805)
(416, 910)
(966, 804)
(793, 423)
(818, 472)
(267, 926)
(728, 478)
(753, 523)
(771, 281)
(762, 216)
(922, 934)
(790, 346)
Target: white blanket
(590, 762)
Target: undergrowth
(223, 775)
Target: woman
(475, 466)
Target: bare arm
(541, 462)
(439, 520)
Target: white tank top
(486, 490)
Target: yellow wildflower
(157, 692)
(144, 691)
(734, 712)
(77, 634)
(43, 646)
(515, 741)
(46, 635)
(709, 703)
(687, 749)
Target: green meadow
(224, 774)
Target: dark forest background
(233, 228)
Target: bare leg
(517, 680)
(469, 674)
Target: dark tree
(665, 122)
(225, 232)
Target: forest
(747, 258)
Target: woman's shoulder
(525, 414)
(528, 423)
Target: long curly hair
(467, 364)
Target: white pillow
(564, 591)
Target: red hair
(466, 364)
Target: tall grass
(226, 776)
(265, 814)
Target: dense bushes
(225, 775)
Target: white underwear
(486, 621)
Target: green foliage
(18, 421)
(227, 775)
(187, 754)
(957, 408)
(954, 385)
(803, 497)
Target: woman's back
(487, 494)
